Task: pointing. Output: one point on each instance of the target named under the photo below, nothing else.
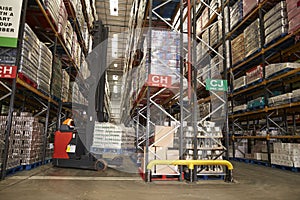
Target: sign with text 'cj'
(10, 12)
(159, 80)
(216, 85)
(7, 71)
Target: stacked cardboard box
(53, 7)
(214, 5)
(26, 139)
(69, 36)
(108, 136)
(286, 154)
(239, 108)
(205, 17)
(164, 56)
(57, 78)
(280, 99)
(254, 74)
(248, 6)
(79, 16)
(296, 95)
(65, 86)
(76, 50)
(273, 69)
(236, 14)
(75, 94)
(252, 41)
(62, 21)
(275, 22)
(293, 9)
(44, 68)
(238, 49)
(30, 54)
(220, 50)
(208, 145)
(214, 33)
(240, 82)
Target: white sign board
(10, 12)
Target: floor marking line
(84, 178)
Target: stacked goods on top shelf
(278, 68)
(215, 31)
(275, 22)
(164, 55)
(205, 17)
(214, 5)
(89, 11)
(236, 14)
(238, 49)
(252, 38)
(69, 36)
(62, 21)
(57, 78)
(29, 54)
(76, 50)
(199, 25)
(53, 7)
(65, 86)
(220, 51)
(293, 9)
(248, 6)
(79, 15)
(26, 139)
(44, 68)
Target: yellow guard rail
(191, 164)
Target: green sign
(216, 85)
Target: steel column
(181, 92)
(148, 92)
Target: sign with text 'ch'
(159, 81)
(10, 12)
(7, 71)
(216, 85)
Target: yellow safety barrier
(190, 164)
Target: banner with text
(10, 12)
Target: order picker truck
(69, 151)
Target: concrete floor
(251, 182)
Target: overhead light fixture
(116, 65)
(115, 77)
(114, 46)
(114, 7)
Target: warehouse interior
(149, 96)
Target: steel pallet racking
(248, 124)
(24, 96)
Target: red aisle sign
(159, 80)
(7, 71)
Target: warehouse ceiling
(115, 15)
